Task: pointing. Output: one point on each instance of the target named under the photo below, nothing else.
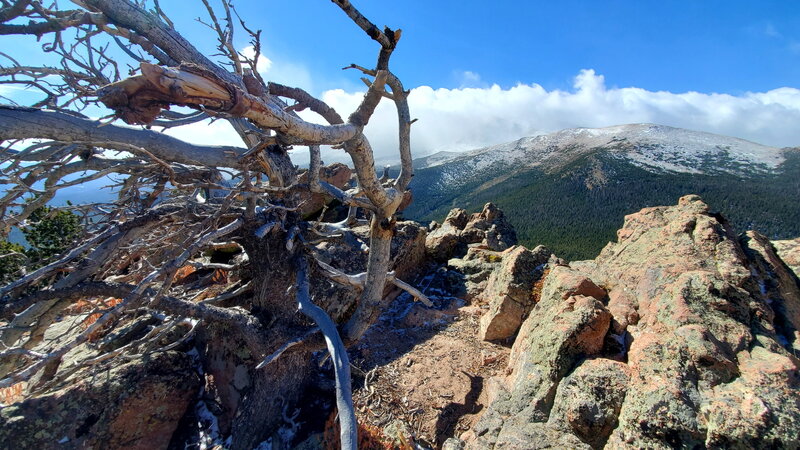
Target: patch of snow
(762, 285)
(649, 163)
(208, 425)
(436, 159)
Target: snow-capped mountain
(652, 147)
(544, 182)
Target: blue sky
(483, 73)
(489, 72)
(708, 46)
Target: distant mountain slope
(435, 159)
(570, 190)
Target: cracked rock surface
(680, 334)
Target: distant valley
(570, 190)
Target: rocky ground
(681, 334)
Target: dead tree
(177, 200)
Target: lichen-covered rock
(491, 228)
(133, 406)
(789, 252)
(476, 267)
(695, 303)
(705, 337)
(702, 308)
(488, 227)
(588, 401)
(564, 326)
(759, 408)
(453, 444)
(509, 291)
(445, 241)
(521, 435)
(408, 249)
(398, 433)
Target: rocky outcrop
(706, 332)
(568, 323)
(509, 291)
(135, 406)
(588, 401)
(488, 227)
(789, 251)
(678, 335)
(444, 241)
(408, 249)
(476, 267)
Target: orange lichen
(183, 272)
(370, 437)
(220, 276)
(94, 317)
(13, 393)
(89, 304)
(536, 292)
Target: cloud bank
(468, 118)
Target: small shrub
(50, 233)
(10, 262)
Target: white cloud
(8, 89)
(20, 93)
(218, 132)
(470, 79)
(263, 64)
(468, 118)
(282, 71)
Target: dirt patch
(427, 368)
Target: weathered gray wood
(267, 127)
(27, 123)
(348, 425)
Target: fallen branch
(289, 344)
(359, 279)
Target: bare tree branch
(341, 365)
(26, 123)
(153, 249)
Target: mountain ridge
(616, 135)
(550, 183)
